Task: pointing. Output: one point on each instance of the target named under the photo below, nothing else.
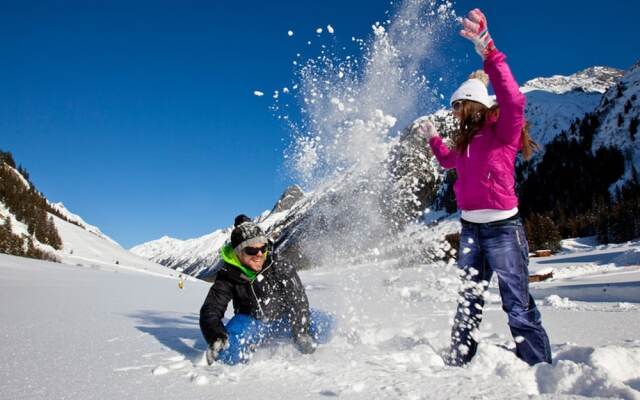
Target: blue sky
(140, 115)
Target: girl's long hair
(473, 116)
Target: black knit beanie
(246, 233)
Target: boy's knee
(322, 326)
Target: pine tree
(633, 127)
(52, 234)
(5, 235)
(7, 157)
(542, 233)
(28, 206)
(627, 106)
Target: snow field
(77, 332)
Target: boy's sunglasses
(252, 251)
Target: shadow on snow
(180, 333)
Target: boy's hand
(215, 348)
(305, 344)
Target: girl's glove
(475, 29)
(424, 127)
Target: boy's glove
(475, 29)
(305, 344)
(215, 348)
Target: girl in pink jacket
(492, 238)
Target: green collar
(230, 257)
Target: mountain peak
(290, 197)
(592, 79)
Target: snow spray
(353, 110)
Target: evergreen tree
(627, 106)
(633, 127)
(9, 242)
(542, 233)
(29, 207)
(7, 158)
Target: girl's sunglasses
(457, 105)
(252, 251)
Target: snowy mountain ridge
(83, 245)
(197, 254)
(176, 253)
(74, 218)
(619, 114)
(17, 174)
(553, 103)
(593, 79)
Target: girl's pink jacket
(486, 169)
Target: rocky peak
(593, 79)
(288, 199)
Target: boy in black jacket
(269, 301)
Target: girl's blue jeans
(499, 247)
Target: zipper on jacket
(254, 292)
(257, 300)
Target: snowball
(200, 380)
(258, 93)
(378, 30)
(330, 29)
(290, 33)
(160, 370)
(359, 387)
(559, 302)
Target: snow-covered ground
(588, 272)
(81, 333)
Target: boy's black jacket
(275, 293)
